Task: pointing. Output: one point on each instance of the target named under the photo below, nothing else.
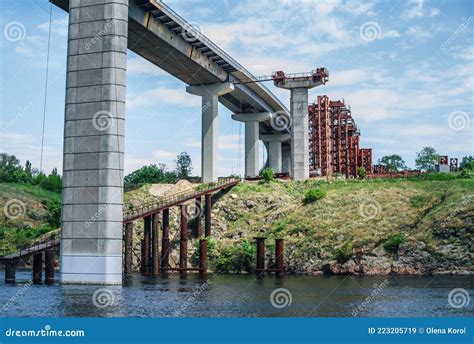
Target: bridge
(99, 34)
(156, 217)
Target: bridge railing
(31, 248)
(177, 197)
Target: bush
(267, 175)
(312, 195)
(235, 258)
(439, 176)
(361, 172)
(343, 253)
(393, 242)
(464, 175)
(211, 252)
(54, 213)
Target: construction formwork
(334, 140)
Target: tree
(10, 169)
(426, 159)
(467, 163)
(393, 163)
(184, 165)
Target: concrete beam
(210, 126)
(251, 121)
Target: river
(218, 295)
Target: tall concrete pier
(251, 121)
(210, 126)
(92, 196)
(275, 154)
(299, 141)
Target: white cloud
(418, 32)
(162, 95)
(59, 26)
(414, 9)
(139, 66)
(347, 77)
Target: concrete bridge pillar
(210, 126)
(275, 159)
(299, 87)
(92, 195)
(251, 121)
(286, 159)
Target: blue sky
(404, 67)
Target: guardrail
(168, 201)
(32, 248)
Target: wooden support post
(279, 256)
(198, 217)
(142, 256)
(49, 266)
(128, 249)
(10, 271)
(155, 252)
(260, 255)
(147, 244)
(37, 268)
(207, 229)
(202, 256)
(165, 243)
(183, 242)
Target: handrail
(181, 196)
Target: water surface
(220, 295)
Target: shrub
(361, 172)
(267, 175)
(54, 213)
(464, 175)
(235, 258)
(439, 176)
(312, 195)
(343, 253)
(393, 242)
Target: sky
(406, 68)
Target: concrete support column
(210, 126)
(128, 259)
(275, 159)
(155, 252)
(299, 134)
(92, 195)
(37, 268)
(286, 159)
(49, 266)
(165, 243)
(251, 139)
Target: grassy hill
(415, 225)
